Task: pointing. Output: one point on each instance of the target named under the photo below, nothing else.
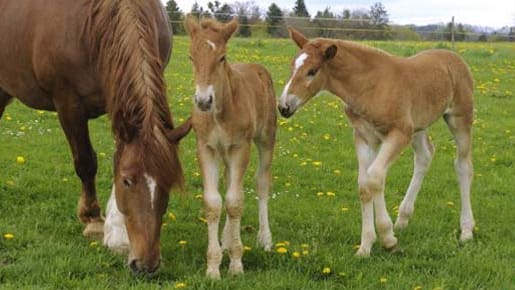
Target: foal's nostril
(210, 101)
(134, 266)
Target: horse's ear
(330, 52)
(297, 37)
(191, 25)
(230, 28)
(175, 135)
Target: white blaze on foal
(212, 44)
(151, 183)
(115, 232)
(285, 97)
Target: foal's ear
(191, 25)
(175, 135)
(297, 37)
(330, 52)
(230, 28)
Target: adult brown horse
(85, 58)
(390, 101)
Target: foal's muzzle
(204, 104)
(138, 268)
(286, 110)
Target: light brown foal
(234, 106)
(390, 101)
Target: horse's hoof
(94, 230)
(395, 249)
(235, 268)
(213, 274)
(466, 236)
(362, 253)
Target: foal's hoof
(235, 268)
(94, 230)
(466, 236)
(362, 253)
(213, 274)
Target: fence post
(452, 32)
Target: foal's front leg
(372, 189)
(212, 206)
(238, 160)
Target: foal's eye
(312, 72)
(222, 59)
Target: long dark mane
(122, 36)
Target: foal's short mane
(211, 25)
(122, 38)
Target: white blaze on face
(151, 183)
(115, 232)
(299, 62)
(212, 44)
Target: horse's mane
(122, 38)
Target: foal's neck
(224, 102)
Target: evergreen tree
(300, 9)
(175, 16)
(244, 26)
(274, 18)
(222, 12)
(378, 14)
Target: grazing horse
(85, 58)
(234, 105)
(390, 101)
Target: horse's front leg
(238, 160)
(74, 122)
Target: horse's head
(308, 72)
(146, 168)
(207, 54)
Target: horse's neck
(224, 104)
(353, 74)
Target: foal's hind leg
(264, 180)
(424, 150)
(74, 122)
(461, 128)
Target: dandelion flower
(183, 242)
(20, 160)
(198, 196)
(304, 246)
(8, 236)
(93, 244)
(320, 193)
(344, 209)
(203, 220)
(172, 216)
(305, 252)
(296, 254)
(450, 203)
(247, 248)
(383, 280)
(329, 193)
(317, 163)
(418, 287)
(102, 154)
(179, 285)
(326, 270)
(280, 244)
(281, 250)
(337, 172)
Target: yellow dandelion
(183, 242)
(281, 250)
(203, 220)
(280, 244)
(247, 248)
(93, 244)
(356, 247)
(305, 252)
(196, 174)
(179, 285)
(337, 172)
(20, 160)
(383, 280)
(172, 216)
(418, 287)
(450, 203)
(41, 112)
(304, 246)
(8, 118)
(329, 193)
(8, 236)
(327, 136)
(342, 274)
(23, 128)
(326, 270)
(317, 163)
(303, 163)
(296, 254)
(198, 196)
(65, 179)
(320, 193)
(287, 243)
(287, 184)
(102, 154)
(493, 159)
(344, 209)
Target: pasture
(314, 206)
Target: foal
(390, 101)
(234, 105)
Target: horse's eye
(222, 59)
(312, 72)
(127, 182)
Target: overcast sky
(493, 13)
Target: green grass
(38, 199)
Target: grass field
(41, 244)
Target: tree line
(357, 24)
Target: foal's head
(146, 166)
(308, 72)
(207, 53)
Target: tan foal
(234, 106)
(390, 101)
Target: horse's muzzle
(138, 268)
(204, 105)
(286, 111)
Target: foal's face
(142, 199)
(207, 54)
(308, 74)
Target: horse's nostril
(133, 265)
